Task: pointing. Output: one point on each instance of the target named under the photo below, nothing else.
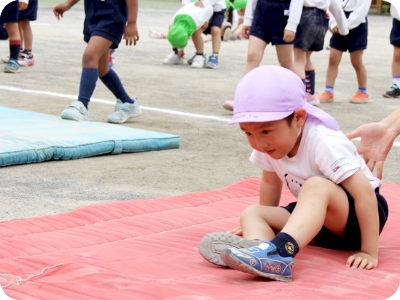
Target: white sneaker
(76, 111)
(199, 61)
(227, 34)
(124, 111)
(312, 99)
(173, 59)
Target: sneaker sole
(326, 101)
(237, 264)
(388, 96)
(212, 245)
(72, 117)
(11, 71)
(124, 120)
(359, 102)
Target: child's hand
(335, 30)
(288, 35)
(131, 34)
(181, 53)
(362, 260)
(59, 10)
(237, 231)
(246, 31)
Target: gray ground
(212, 155)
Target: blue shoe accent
(212, 62)
(124, 111)
(262, 260)
(12, 66)
(190, 60)
(76, 111)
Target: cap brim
(255, 117)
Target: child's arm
(295, 11)
(59, 9)
(336, 10)
(359, 14)
(377, 139)
(270, 189)
(365, 203)
(131, 34)
(23, 4)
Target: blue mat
(29, 137)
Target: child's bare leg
(300, 60)
(396, 61)
(320, 203)
(27, 35)
(335, 57)
(13, 31)
(359, 67)
(95, 49)
(309, 64)
(198, 41)
(216, 38)
(255, 53)
(285, 56)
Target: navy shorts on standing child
(31, 12)
(313, 25)
(357, 39)
(10, 13)
(106, 19)
(395, 33)
(269, 21)
(216, 21)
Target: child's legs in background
(359, 67)
(13, 31)
(396, 61)
(300, 61)
(335, 56)
(198, 41)
(26, 34)
(255, 53)
(216, 39)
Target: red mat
(147, 249)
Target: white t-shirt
(359, 10)
(217, 5)
(322, 152)
(200, 15)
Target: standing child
(355, 42)
(394, 90)
(310, 37)
(214, 28)
(105, 24)
(187, 20)
(25, 18)
(294, 143)
(270, 21)
(9, 16)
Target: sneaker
(199, 61)
(76, 112)
(392, 92)
(190, 60)
(124, 111)
(262, 260)
(212, 244)
(227, 34)
(26, 59)
(173, 59)
(326, 97)
(228, 105)
(156, 35)
(11, 67)
(359, 98)
(312, 99)
(212, 62)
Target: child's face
(276, 138)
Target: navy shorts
(10, 13)
(395, 33)
(357, 39)
(105, 18)
(31, 12)
(351, 239)
(310, 34)
(216, 21)
(269, 21)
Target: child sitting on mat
(294, 143)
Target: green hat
(239, 4)
(180, 32)
(178, 36)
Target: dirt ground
(175, 99)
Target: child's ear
(300, 116)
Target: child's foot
(76, 112)
(326, 97)
(26, 59)
(227, 34)
(359, 98)
(12, 66)
(173, 59)
(124, 111)
(212, 244)
(392, 92)
(212, 62)
(312, 99)
(262, 260)
(228, 105)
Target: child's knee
(250, 212)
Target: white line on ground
(168, 111)
(73, 97)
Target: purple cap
(271, 93)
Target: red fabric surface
(147, 249)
